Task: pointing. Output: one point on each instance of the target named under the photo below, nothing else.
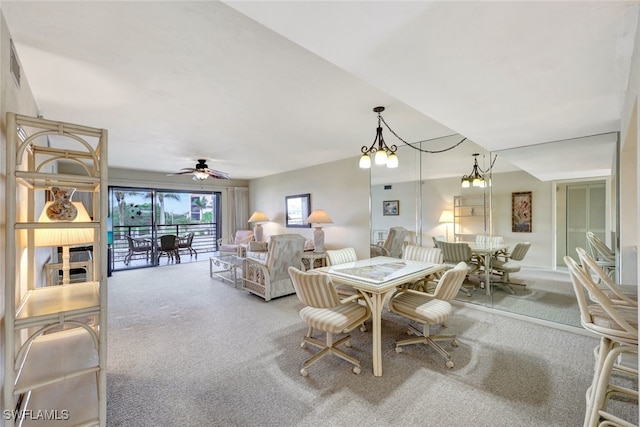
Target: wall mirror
(297, 210)
(426, 184)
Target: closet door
(585, 212)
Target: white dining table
(375, 278)
(487, 251)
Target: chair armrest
(377, 250)
(413, 292)
(246, 239)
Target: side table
(311, 260)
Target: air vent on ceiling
(387, 187)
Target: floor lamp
(446, 218)
(64, 236)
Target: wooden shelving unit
(469, 217)
(55, 336)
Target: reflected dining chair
(454, 253)
(507, 263)
(605, 257)
(429, 309)
(617, 327)
(325, 311)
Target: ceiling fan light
(201, 176)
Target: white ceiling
(259, 88)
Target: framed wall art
(521, 212)
(391, 207)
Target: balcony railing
(204, 240)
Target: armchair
(270, 278)
(325, 311)
(233, 246)
(429, 309)
(393, 245)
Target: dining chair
(169, 246)
(341, 256)
(617, 327)
(429, 309)
(422, 254)
(454, 253)
(507, 263)
(325, 311)
(613, 291)
(605, 257)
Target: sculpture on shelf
(62, 208)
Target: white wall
(340, 188)
(19, 100)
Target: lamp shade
(446, 216)
(258, 216)
(319, 216)
(63, 236)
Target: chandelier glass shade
(475, 178)
(382, 153)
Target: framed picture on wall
(391, 207)
(521, 212)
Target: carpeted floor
(188, 350)
(548, 295)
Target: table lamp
(258, 218)
(64, 237)
(446, 218)
(318, 216)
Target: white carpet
(188, 350)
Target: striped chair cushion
(419, 253)
(340, 256)
(333, 320)
(422, 307)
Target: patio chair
(137, 245)
(169, 246)
(186, 242)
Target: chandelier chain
(419, 142)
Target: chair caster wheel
(449, 364)
(363, 328)
(454, 343)
(303, 345)
(409, 332)
(347, 343)
(356, 370)
(398, 349)
(303, 372)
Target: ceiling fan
(202, 172)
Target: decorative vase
(62, 209)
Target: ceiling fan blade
(217, 174)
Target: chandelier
(476, 177)
(382, 154)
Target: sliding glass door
(140, 216)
